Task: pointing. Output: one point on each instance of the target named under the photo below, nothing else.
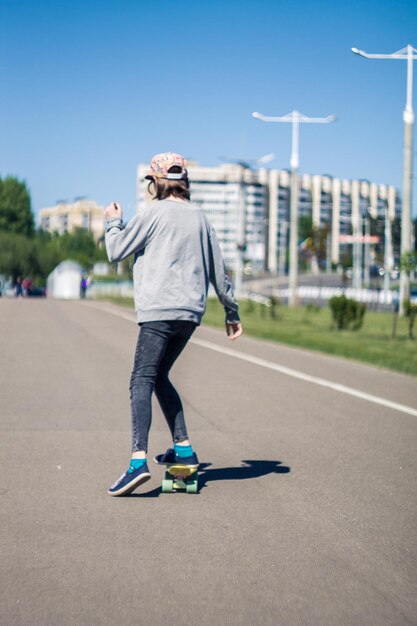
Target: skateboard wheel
(167, 486)
(192, 485)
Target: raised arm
(123, 240)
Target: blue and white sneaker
(170, 458)
(130, 480)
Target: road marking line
(306, 377)
(288, 371)
(130, 317)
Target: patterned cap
(162, 163)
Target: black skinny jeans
(159, 345)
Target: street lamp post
(387, 252)
(366, 251)
(409, 54)
(294, 118)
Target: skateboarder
(176, 256)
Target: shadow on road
(248, 469)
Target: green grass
(312, 329)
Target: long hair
(162, 188)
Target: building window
(64, 223)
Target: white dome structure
(64, 282)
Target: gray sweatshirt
(177, 255)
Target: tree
(408, 262)
(15, 255)
(313, 241)
(305, 225)
(15, 207)
(79, 246)
(38, 255)
(318, 246)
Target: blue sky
(92, 88)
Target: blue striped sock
(183, 451)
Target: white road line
(282, 369)
(288, 371)
(130, 317)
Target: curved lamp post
(408, 54)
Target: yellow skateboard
(180, 478)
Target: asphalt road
(307, 512)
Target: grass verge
(307, 327)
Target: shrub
(410, 312)
(347, 313)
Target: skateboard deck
(180, 478)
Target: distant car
(36, 292)
(375, 271)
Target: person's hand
(234, 330)
(113, 210)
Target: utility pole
(295, 118)
(408, 54)
(387, 251)
(367, 252)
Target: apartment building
(66, 217)
(250, 209)
(341, 204)
(235, 199)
